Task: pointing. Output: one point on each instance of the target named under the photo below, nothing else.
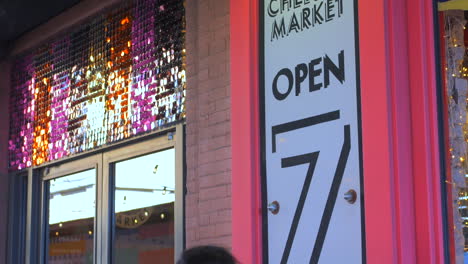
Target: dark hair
(206, 255)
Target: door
(310, 118)
(71, 211)
(123, 205)
(145, 219)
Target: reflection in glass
(72, 201)
(144, 207)
(455, 62)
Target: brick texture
(208, 199)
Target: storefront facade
(286, 131)
(122, 39)
(403, 149)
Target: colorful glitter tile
(118, 75)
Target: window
(122, 205)
(144, 196)
(71, 217)
(454, 59)
(89, 107)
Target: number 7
(312, 158)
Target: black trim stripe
(442, 135)
(261, 94)
(298, 124)
(359, 128)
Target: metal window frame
(34, 215)
(61, 170)
(444, 167)
(17, 218)
(173, 139)
(36, 229)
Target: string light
(456, 90)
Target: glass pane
(144, 207)
(454, 42)
(72, 209)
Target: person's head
(206, 255)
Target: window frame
(36, 228)
(173, 139)
(18, 217)
(61, 170)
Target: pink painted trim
(400, 132)
(425, 136)
(381, 240)
(400, 140)
(246, 196)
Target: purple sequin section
(120, 74)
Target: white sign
(311, 132)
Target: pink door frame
(246, 196)
(403, 206)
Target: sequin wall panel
(118, 75)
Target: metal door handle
(350, 196)
(273, 207)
